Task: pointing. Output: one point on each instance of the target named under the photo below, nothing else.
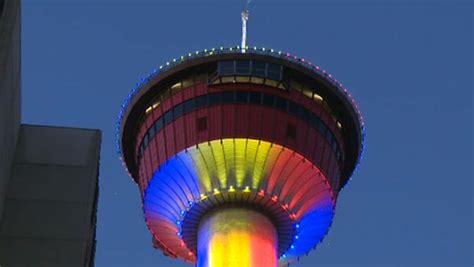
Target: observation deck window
(258, 68)
(242, 67)
(250, 67)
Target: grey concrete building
(48, 175)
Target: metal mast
(245, 18)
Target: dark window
(168, 117)
(305, 114)
(152, 131)
(226, 68)
(274, 71)
(201, 101)
(334, 145)
(241, 97)
(314, 121)
(242, 67)
(228, 97)
(301, 112)
(329, 137)
(293, 108)
(145, 140)
(215, 99)
(268, 99)
(281, 103)
(258, 68)
(178, 110)
(159, 124)
(189, 105)
(142, 149)
(291, 131)
(322, 129)
(255, 97)
(201, 124)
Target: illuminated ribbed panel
(237, 237)
(239, 165)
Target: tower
(239, 155)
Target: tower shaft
(231, 237)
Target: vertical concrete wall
(10, 61)
(50, 207)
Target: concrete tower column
(237, 237)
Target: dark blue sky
(409, 65)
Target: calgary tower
(239, 154)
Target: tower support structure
(237, 237)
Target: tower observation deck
(239, 155)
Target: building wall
(50, 207)
(48, 175)
(10, 61)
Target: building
(239, 154)
(48, 175)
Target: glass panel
(280, 103)
(322, 128)
(178, 110)
(293, 108)
(201, 101)
(241, 97)
(258, 68)
(226, 68)
(274, 71)
(159, 124)
(145, 140)
(215, 99)
(189, 105)
(227, 97)
(268, 100)
(152, 131)
(168, 117)
(329, 137)
(255, 97)
(242, 67)
(314, 121)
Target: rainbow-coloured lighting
(246, 166)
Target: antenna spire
(245, 18)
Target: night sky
(409, 64)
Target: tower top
(245, 18)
